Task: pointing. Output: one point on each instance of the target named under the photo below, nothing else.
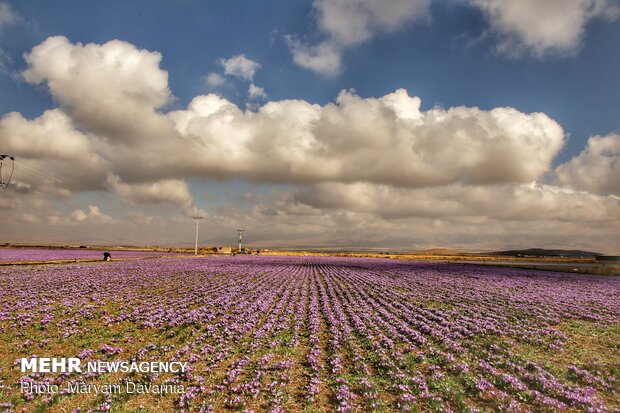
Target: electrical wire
(49, 177)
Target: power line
(52, 178)
(44, 176)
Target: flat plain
(315, 334)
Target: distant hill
(541, 252)
(439, 251)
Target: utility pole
(240, 232)
(5, 185)
(197, 218)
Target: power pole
(5, 185)
(197, 218)
(240, 232)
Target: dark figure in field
(107, 256)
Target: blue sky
(456, 53)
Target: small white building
(224, 250)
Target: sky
(396, 124)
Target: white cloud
(256, 92)
(351, 22)
(215, 79)
(7, 15)
(382, 140)
(113, 88)
(322, 58)
(172, 192)
(525, 202)
(55, 220)
(143, 219)
(347, 23)
(49, 150)
(240, 66)
(53, 134)
(79, 216)
(30, 218)
(543, 27)
(95, 213)
(4, 60)
(596, 169)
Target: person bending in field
(107, 256)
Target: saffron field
(315, 334)
(52, 254)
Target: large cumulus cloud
(386, 140)
(114, 91)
